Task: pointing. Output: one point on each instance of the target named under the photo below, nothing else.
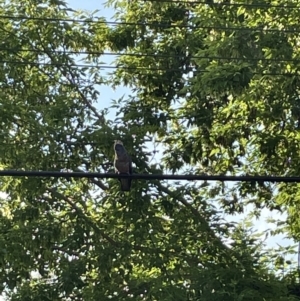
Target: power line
(86, 66)
(61, 174)
(149, 55)
(136, 68)
(155, 24)
(20, 17)
(257, 5)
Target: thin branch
(86, 101)
(54, 192)
(99, 184)
(196, 213)
(94, 181)
(72, 81)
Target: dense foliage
(214, 86)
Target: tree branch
(71, 81)
(57, 194)
(94, 181)
(199, 217)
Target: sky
(106, 93)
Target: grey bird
(123, 164)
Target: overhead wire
(141, 55)
(262, 28)
(249, 5)
(253, 5)
(138, 68)
(137, 55)
(203, 177)
(86, 66)
(10, 50)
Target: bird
(122, 164)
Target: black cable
(136, 68)
(10, 50)
(61, 174)
(10, 17)
(86, 66)
(153, 24)
(255, 6)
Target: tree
(221, 82)
(85, 238)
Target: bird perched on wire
(123, 164)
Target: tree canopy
(213, 88)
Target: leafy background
(218, 99)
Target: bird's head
(118, 142)
(119, 146)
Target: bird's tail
(125, 184)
